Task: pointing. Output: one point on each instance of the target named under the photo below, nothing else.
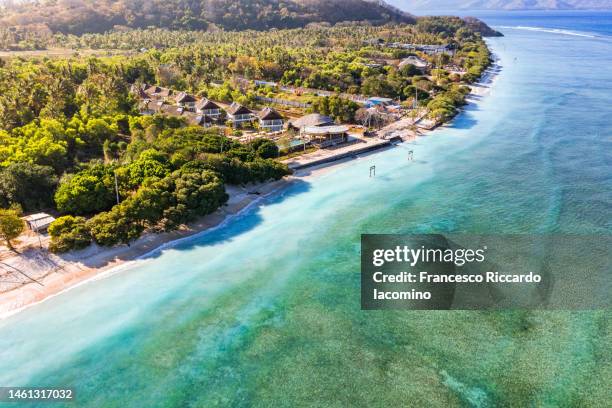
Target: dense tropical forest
(72, 140)
(70, 127)
(82, 16)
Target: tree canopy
(102, 15)
(29, 185)
(11, 226)
(77, 119)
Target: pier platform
(328, 155)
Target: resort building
(172, 110)
(266, 83)
(270, 120)
(148, 107)
(158, 93)
(208, 108)
(143, 107)
(324, 136)
(139, 91)
(435, 49)
(152, 90)
(378, 101)
(239, 115)
(198, 119)
(151, 107)
(38, 222)
(165, 93)
(419, 63)
(314, 119)
(186, 101)
(429, 49)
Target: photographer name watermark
(485, 272)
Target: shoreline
(80, 267)
(71, 270)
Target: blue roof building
(376, 100)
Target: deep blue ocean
(265, 311)
(581, 22)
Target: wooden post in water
(372, 171)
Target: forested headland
(82, 16)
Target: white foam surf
(551, 31)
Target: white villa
(239, 114)
(208, 108)
(270, 120)
(186, 101)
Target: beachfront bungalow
(314, 119)
(419, 63)
(172, 110)
(186, 101)
(239, 115)
(160, 107)
(143, 107)
(324, 136)
(166, 93)
(270, 120)
(38, 222)
(158, 93)
(198, 119)
(208, 108)
(150, 107)
(152, 90)
(139, 91)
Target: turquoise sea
(265, 311)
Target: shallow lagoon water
(265, 311)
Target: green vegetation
(68, 233)
(11, 226)
(337, 59)
(46, 17)
(72, 139)
(87, 192)
(179, 176)
(70, 126)
(444, 105)
(339, 109)
(447, 26)
(28, 185)
(167, 203)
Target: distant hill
(503, 4)
(81, 16)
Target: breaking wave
(552, 31)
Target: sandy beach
(35, 274)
